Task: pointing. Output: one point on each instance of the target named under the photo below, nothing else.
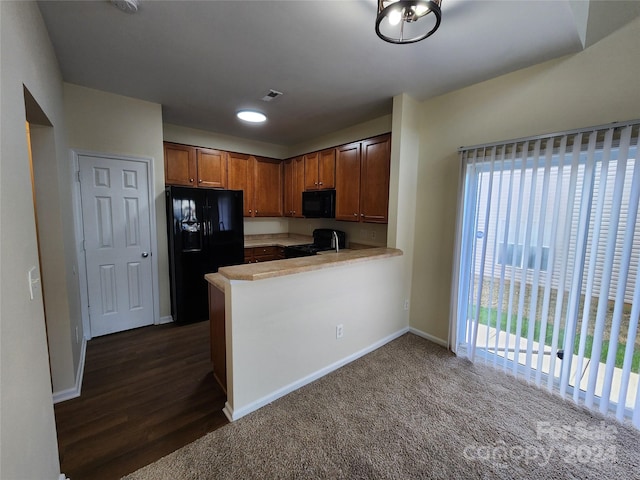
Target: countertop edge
(292, 266)
(217, 280)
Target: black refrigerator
(206, 231)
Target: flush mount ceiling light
(127, 6)
(407, 21)
(251, 116)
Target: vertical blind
(546, 283)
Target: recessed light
(251, 116)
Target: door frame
(78, 227)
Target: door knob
(145, 254)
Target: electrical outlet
(339, 331)
(373, 234)
(406, 304)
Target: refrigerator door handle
(205, 221)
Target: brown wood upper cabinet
(362, 180)
(179, 165)
(194, 167)
(212, 168)
(293, 186)
(261, 181)
(320, 170)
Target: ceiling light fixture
(127, 6)
(251, 116)
(407, 21)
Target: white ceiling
(205, 60)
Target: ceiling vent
(271, 95)
(128, 6)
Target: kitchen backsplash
(364, 233)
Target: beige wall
(201, 138)
(405, 143)
(27, 424)
(371, 128)
(283, 332)
(64, 345)
(102, 122)
(596, 86)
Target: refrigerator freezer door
(225, 228)
(206, 231)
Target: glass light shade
(407, 21)
(251, 116)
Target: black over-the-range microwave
(319, 204)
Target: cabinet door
(327, 169)
(288, 172)
(179, 165)
(239, 176)
(348, 182)
(218, 338)
(374, 179)
(212, 168)
(268, 187)
(311, 171)
(298, 186)
(293, 171)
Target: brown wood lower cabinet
(263, 254)
(218, 339)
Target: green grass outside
(484, 317)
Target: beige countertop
(291, 266)
(256, 271)
(216, 280)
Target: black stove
(322, 241)
(295, 251)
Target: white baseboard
(228, 411)
(431, 338)
(167, 319)
(62, 477)
(233, 415)
(74, 392)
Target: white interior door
(117, 242)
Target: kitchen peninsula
(279, 325)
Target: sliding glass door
(547, 282)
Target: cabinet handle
(250, 211)
(191, 180)
(200, 181)
(355, 214)
(315, 183)
(320, 183)
(362, 214)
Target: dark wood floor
(146, 393)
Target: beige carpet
(411, 410)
